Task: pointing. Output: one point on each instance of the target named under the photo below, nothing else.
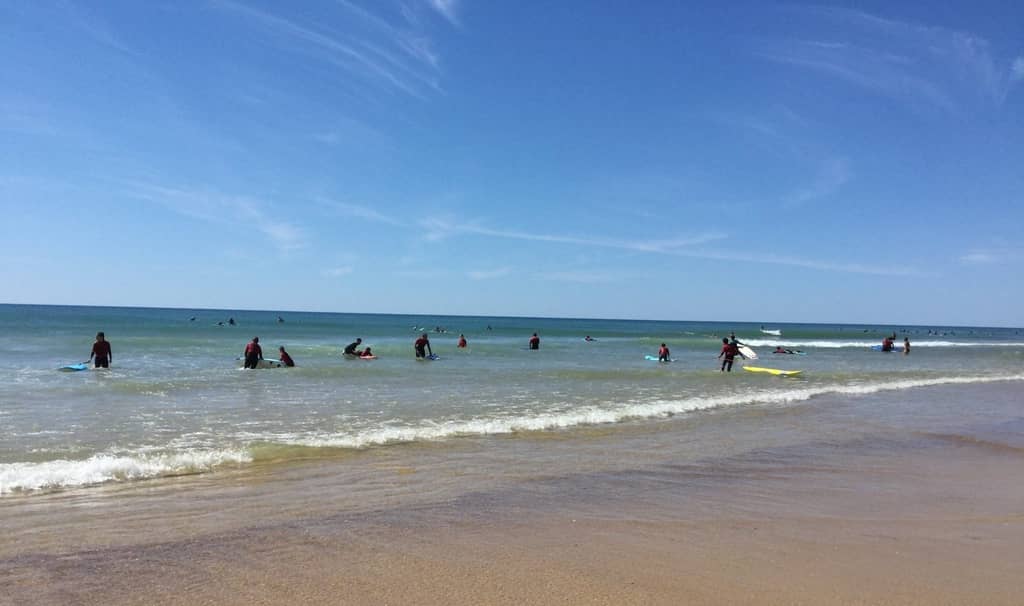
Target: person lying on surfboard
(367, 353)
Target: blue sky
(664, 160)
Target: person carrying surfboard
(101, 355)
(422, 346)
(729, 352)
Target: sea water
(175, 401)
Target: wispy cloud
(833, 173)
(921, 64)
(992, 255)
(489, 274)
(681, 247)
(373, 58)
(336, 272)
(222, 209)
(581, 276)
(357, 211)
(447, 9)
(439, 229)
(1018, 69)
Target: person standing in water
(534, 341)
(462, 342)
(253, 354)
(729, 351)
(422, 346)
(101, 355)
(906, 346)
(285, 358)
(663, 353)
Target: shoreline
(886, 516)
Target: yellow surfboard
(773, 371)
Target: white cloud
(832, 175)
(358, 211)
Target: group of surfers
(889, 344)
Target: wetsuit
(534, 342)
(350, 349)
(663, 354)
(286, 359)
(729, 351)
(102, 354)
(421, 346)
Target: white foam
(594, 415)
(826, 344)
(98, 469)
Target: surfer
(422, 346)
(663, 353)
(906, 346)
(101, 355)
(887, 343)
(367, 353)
(534, 341)
(285, 358)
(350, 349)
(231, 321)
(729, 352)
(462, 342)
(253, 354)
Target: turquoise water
(176, 402)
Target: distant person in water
(663, 353)
(101, 355)
(588, 338)
(906, 346)
(367, 353)
(729, 352)
(534, 341)
(422, 346)
(231, 321)
(462, 341)
(284, 357)
(350, 349)
(280, 320)
(253, 354)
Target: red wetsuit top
(462, 342)
(534, 342)
(421, 343)
(101, 349)
(730, 351)
(253, 349)
(286, 359)
(663, 352)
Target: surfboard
(367, 357)
(777, 333)
(75, 367)
(895, 347)
(651, 358)
(773, 371)
(429, 358)
(749, 353)
(267, 364)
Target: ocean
(175, 406)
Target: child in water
(285, 358)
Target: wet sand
(915, 520)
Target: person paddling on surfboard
(422, 346)
(253, 354)
(101, 355)
(663, 353)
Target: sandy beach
(931, 520)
